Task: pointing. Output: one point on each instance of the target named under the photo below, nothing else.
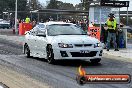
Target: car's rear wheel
(50, 55)
(95, 61)
(27, 51)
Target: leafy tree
(9, 5)
(2, 5)
(79, 6)
(86, 4)
(34, 5)
(65, 6)
(23, 6)
(52, 4)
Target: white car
(60, 40)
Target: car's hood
(72, 39)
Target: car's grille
(78, 54)
(82, 45)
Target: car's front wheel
(95, 61)
(50, 55)
(27, 51)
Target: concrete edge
(111, 56)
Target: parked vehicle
(4, 24)
(60, 40)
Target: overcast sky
(78, 1)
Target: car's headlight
(97, 45)
(63, 45)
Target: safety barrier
(23, 27)
(94, 32)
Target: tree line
(24, 6)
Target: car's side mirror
(41, 34)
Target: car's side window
(34, 31)
(41, 32)
(42, 26)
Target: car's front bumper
(74, 53)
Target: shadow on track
(75, 63)
(72, 63)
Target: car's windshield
(64, 29)
(41, 25)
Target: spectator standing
(111, 24)
(27, 20)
